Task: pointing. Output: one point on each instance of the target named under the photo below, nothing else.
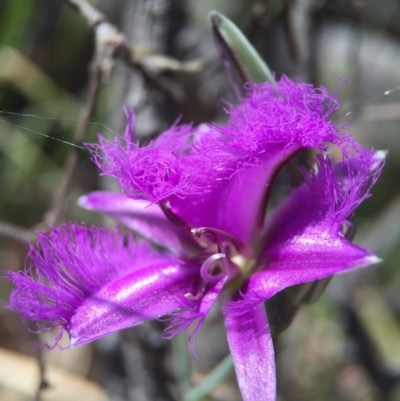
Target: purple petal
(143, 217)
(217, 176)
(181, 320)
(92, 281)
(308, 259)
(147, 294)
(235, 203)
(275, 117)
(304, 240)
(320, 207)
(271, 125)
(163, 168)
(252, 351)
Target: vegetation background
(345, 347)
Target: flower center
(227, 259)
(245, 265)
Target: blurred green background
(344, 347)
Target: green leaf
(241, 60)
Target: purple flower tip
(74, 273)
(185, 161)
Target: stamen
(206, 274)
(199, 295)
(241, 247)
(166, 208)
(231, 268)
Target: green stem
(181, 361)
(216, 376)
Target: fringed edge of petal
(67, 266)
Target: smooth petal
(237, 203)
(143, 217)
(304, 240)
(147, 294)
(302, 261)
(252, 351)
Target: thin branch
(299, 32)
(92, 16)
(17, 233)
(109, 44)
(100, 65)
(53, 216)
(43, 383)
(146, 59)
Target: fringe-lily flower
(201, 193)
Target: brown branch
(53, 216)
(299, 34)
(100, 64)
(92, 16)
(17, 233)
(43, 383)
(146, 59)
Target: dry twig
(109, 43)
(56, 211)
(17, 233)
(43, 383)
(300, 35)
(108, 37)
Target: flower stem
(219, 373)
(181, 361)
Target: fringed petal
(219, 176)
(92, 282)
(290, 113)
(166, 167)
(252, 351)
(183, 319)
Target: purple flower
(201, 193)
